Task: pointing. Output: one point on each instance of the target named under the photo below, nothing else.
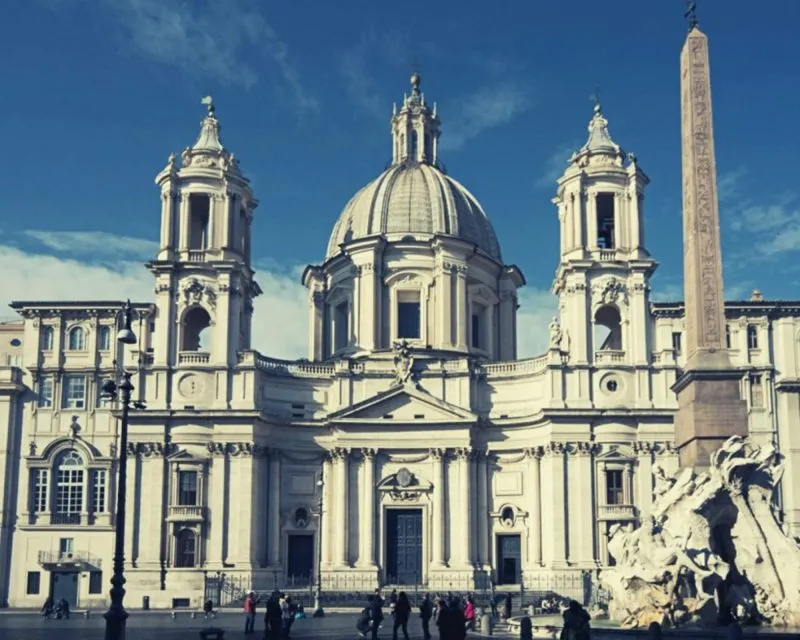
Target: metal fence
(354, 589)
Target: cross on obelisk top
(691, 13)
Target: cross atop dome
(415, 128)
(209, 138)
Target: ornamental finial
(208, 101)
(691, 14)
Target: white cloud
(279, 320)
(555, 166)
(359, 83)
(487, 108)
(537, 309)
(211, 40)
(95, 243)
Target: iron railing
(69, 557)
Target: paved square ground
(160, 626)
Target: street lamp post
(116, 616)
(319, 612)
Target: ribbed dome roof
(414, 199)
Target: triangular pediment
(405, 403)
(615, 453)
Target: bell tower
(603, 276)
(204, 281)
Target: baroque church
(412, 447)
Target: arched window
(70, 475)
(77, 339)
(195, 325)
(608, 329)
(414, 146)
(104, 338)
(48, 338)
(185, 548)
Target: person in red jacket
(250, 602)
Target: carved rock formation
(711, 549)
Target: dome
(414, 199)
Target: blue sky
(99, 92)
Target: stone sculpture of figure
(556, 334)
(663, 482)
(403, 362)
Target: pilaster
(153, 467)
(341, 513)
(366, 555)
(274, 506)
(554, 552)
(217, 551)
(439, 509)
(534, 524)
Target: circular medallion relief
(190, 386)
(403, 477)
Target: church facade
(412, 447)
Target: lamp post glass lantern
(319, 612)
(116, 616)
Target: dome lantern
(415, 129)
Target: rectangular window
(756, 391)
(39, 493)
(476, 331)
(676, 343)
(605, 220)
(408, 315)
(66, 546)
(74, 392)
(187, 488)
(614, 490)
(199, 215)
(34, 583)
(727, 336)
(752, 336)
(95, 582)
(98, 491)
(341, 329)
(45, 395)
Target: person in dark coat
(402, 612)
(376, 613)
(576, 622)
(526, 629)
(444, 620)
(274, 617)
(426, 613)
(507, 607)
(364, 620)
(458, 619)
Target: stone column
(643, 493)
(274, 506)
(340, 507)
(229, 225)
(327, 523)
(553, 508)
(241, 523)
(535, 508)
(366, 555)
(462, 312)
(184, 222)
(366, 320)
(582, 511)
(133, 509)
(439, 499)
(152, 503)
(465, 540)
(216, 500)
(483, 556)
(445, 296)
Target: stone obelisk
(710, 407)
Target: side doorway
(65, 585)
(509, 559)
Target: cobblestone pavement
(160, 626)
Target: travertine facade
(443, 459)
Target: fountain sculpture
(711, 550)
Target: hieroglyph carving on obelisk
(705, 305)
